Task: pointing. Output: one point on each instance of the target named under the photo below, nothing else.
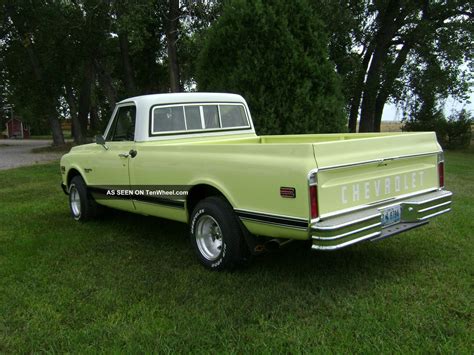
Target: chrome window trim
(184, 117)
(154, 133)
(114, 113)
(201, 113)
(219, 114)
(201, 134)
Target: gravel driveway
(17, 152)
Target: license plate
(391, 215)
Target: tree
(172, 23)
(184, 20)
(384, 38)
(22, 35)
(424, 110)
(274, 53)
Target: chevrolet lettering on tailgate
(382, 187)
(195, 158)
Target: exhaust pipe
(275, 244)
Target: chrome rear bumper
(339, 232)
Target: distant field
(391, 126)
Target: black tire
(87, 208)
(214, 211)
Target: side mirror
(99, 139)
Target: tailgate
(364, 171)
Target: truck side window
(123, 126)
(233, 116)
(168, 119)
(211, 116)
(193, 117)
(197, 117)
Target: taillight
(313, 195)
(441, 170)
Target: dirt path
(17, 152)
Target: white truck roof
(144, 104)
(183, 97)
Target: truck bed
(353, 169)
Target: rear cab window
(202, 117)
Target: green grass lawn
(130, 283)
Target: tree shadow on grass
(296, 265)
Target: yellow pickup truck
(195, 158)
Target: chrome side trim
(378, 160)
(270, 214)
(341, 231)
(447, 194)
(346, 224)
(339, 236)
(161, 204)
(342, 245)
(294, 223)
(434, 214)
(434, 207)
(272, 223)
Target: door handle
(132, 153)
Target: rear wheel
(216, 235)
(82, 205)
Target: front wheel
(216, 235)
(81, 203)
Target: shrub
(452, 133)
(458, 131)
(274, 53)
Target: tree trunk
(94, 118)
(75, 126)
(127, 66)
(85, 98)
(106, 83)
(391, 75)
(367, 112)
(172, 39)
(354, 110)
(387, 27)
(57, 133)
(379, 106)
(358, 88)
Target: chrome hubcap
(75, 201)
(208, 237)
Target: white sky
(390, 111)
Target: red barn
(16, 129)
